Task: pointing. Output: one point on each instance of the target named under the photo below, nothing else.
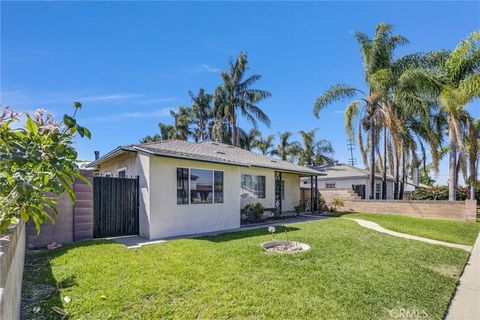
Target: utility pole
(351, 146)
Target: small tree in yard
(37, 164)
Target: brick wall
(74, 221)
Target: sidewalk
(465, 304)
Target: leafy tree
(201, 114)
(454, 84)
(37, 164)
(235, 96)
(265, 145)
(248, 140)
(167, 131)
(286, 149)
(182, 119)
(314, 152)
(376, 55)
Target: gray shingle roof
(212, 152)
(341, 170)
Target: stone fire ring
(279, 246)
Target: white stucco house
(344, 176)
(188, 188)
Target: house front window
(252, 187)
(377, 190)
(199, 186)
(330, 185)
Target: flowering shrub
(37, 163)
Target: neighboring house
(188, 188)
(343, 176)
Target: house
(346, 177)
(188, 188)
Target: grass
(454, 231)
(349, 273)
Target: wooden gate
(115, 206)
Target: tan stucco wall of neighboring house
(125, 160)
(160, 216)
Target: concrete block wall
(74, 221)
(461, 210)
(12, 257)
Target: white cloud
(208, 68)
(128, 115)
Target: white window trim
(254, 175)
(189, 193)
(107, 174)
(122, 169)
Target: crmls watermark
(407, 313)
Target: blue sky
(129, 63)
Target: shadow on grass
(261, 231)
(41, 297)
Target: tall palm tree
(265, 145)
(377, 55)
(455, 84)
(237, 97)
(314, 152)
(202, 113)
(167, 131)
(286, 149)
(472, 147)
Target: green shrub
(252, 212)
(336, 204)
(441, 193)
(300, 208)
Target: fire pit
(285, 246)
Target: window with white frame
(252, 187)
(330, 185)
(378, 188)
(108, 174)
(199, 186)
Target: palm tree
(314, 152)
(167, 131)
(236, 96)
(472, 147)
(201, 112)
(265, 145)
(377, 54)
(454, 85)
(182, 120)
(286, 149)
(248, 140)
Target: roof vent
(273, 161)
(221, 152)
(231, 147)
(215, 143)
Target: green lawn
(349, 273)
(454, 231)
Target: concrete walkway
(377, 227)
(465, 304)
(132, 242)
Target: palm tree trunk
(452, 182)
(384, 182)
(404, 175)
(372, 158)
(397, 172)
(234, 130)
